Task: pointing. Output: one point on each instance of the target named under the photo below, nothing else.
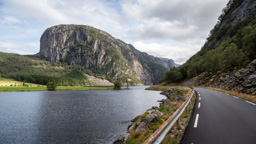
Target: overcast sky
(174, 29)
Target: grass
(241, 95)
(21, 88)
(158, 88)
(173, 138)
(43, 88)
(84, 88)
(12, 82)
(10, 85)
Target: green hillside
(31, 70)
(230, 46)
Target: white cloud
(19, 48)
(159, 29)
(179, 52)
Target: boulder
(119, 140)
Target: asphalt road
(220, 118)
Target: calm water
(71, 116)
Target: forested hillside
(26, 69)
(230, 46)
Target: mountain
(101, 54)
(226, 60)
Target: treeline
(234, 52)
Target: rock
(92, 48)
(174, 94)
(141, 124)
(250, 81)
(119, 140)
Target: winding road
(220, 118)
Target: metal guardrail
(159, 134)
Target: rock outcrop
(243, 80)
(235, 12)
(101, 53)
(142, 123)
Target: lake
(96, 116)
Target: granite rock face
(100, 52)
(242, 80)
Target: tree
(117, 85)
(51, 86)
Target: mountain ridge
(100, 52)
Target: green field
(9, 85)
(12, 82)
(43, 88)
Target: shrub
(51, 86)
(117, 85)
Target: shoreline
(144, 125)
(44, 88)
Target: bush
(117, 85)
(51, 86)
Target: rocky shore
(144, 125)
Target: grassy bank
(21, 88)
(84, 88)
(241, 95)
(158, 88)
(44, 88)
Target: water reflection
(71, 116)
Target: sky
(174, 29)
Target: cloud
(159, 29)
(177, 51)
(19, 48)
(176, 19)
(166, 28)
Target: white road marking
(199, 94)
(199, 105)
(235, 97)
(199, 98)
(227, 94)
(196, 121)
(250, 103)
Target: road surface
(220, 118)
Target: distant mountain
(226, 58)
(101, 54)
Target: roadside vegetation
(177, 132)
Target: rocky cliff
(101, 53)
(236, 14)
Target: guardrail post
(178, 123)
